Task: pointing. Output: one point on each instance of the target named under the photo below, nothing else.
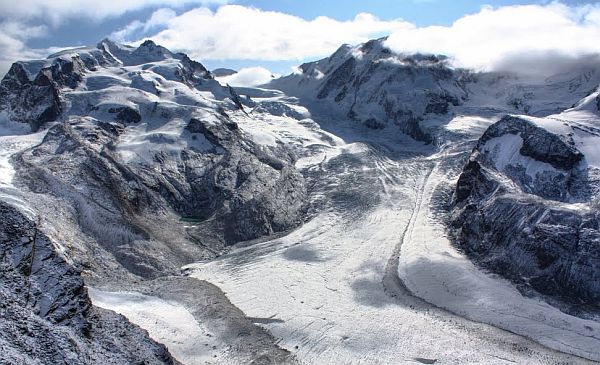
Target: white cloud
(493, 38)
(159, 18)
(58, 10)
(539, 38)
(238, 32)
(249, 76)
(13, 36)
(506, 37)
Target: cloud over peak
(496, 38)
(539, 38)
(238, 32)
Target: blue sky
(420, 12)
(274, 34)
(79, 31)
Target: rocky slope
(140, 168)
(142, 163)
(47, 316)
(525, 204)
(145, 136)
(374, 86)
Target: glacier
(373, 207)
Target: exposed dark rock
(374, 124)
(369, 82)
(439, 104)
(339, 78)
(538, 143)
(518, 230)
(474, 182)
(47, 316)
(193, 69)
(34, 102)
(235, 97)
(67, 73)
(246, 190)
(126, 115)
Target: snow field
(167, 322)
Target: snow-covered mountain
(376, 87)
(139, 165)
(526, 202)
(368, 185)
(143, 136)
(522, 166)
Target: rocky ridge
(47, 316)
(525, 208)
(418, 93)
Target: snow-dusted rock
(525, 206)
(375, 86)
(146, 163)
(35, 101)
(140, 167)
(46, 314)
(144, 134)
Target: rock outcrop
(144, 134)
(524, 209)
(47, 316)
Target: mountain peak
(148, 43)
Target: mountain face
(526, 204)
(47, 316)
(145, 135)
(377, 87)
(128, 141)
(121, 165)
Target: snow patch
(505, 151)
(140, 143)
(14, 139)
(167, 322)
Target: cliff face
(524, 206)
(34, 101)
(47, 316)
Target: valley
(349, 213)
